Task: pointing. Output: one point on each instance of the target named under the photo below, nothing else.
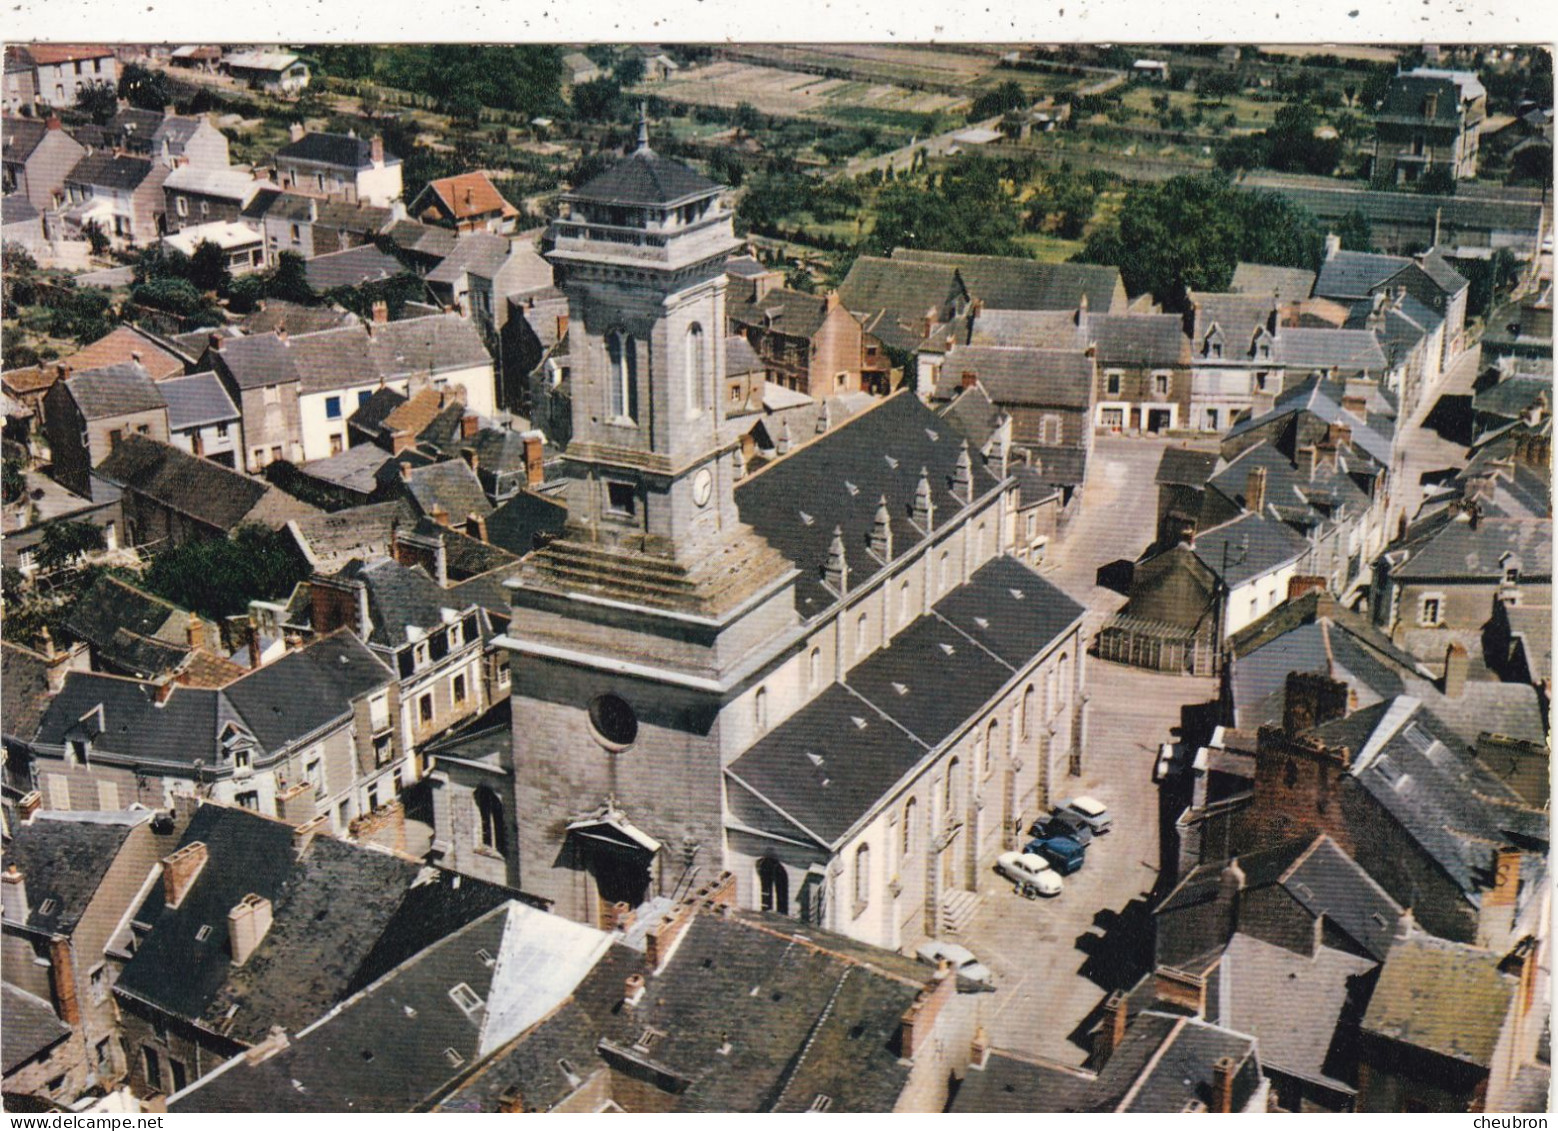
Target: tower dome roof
(644, 178)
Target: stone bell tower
(635, 629)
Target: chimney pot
(376, 149)
(633, 990)
(295, 131)
(380, 310)
(969, 379)
(180, 870)
(247, 925)
(195, 632)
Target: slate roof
(782, 311)
(1037, 377)
(24, 690)
(1236, 316)
(399, 597)
(830, 764)
(1511, 397)
(112, 604)
(233, 184)
(1256, 545)
(1406, 97)
(356, 469)
(1322, 399)
(342, 916)
(1181, 1068)
(330, 540)
(306, 689)
(478, 253)
(893, 296)
(1324, 880)
(333, 149)
(1455, 213)
(22, 136)
(195, 487)
(1009, 283)
(1288, 284)
(116, 390)
(1353, 274)
(838, 480)
(974, 414)
(197, 400)
(31, 1027)
(1039, 329)
(351, 268)
(1341, 351)
(1139, 340)
(1330, 496)
(1454, 551)
(112, 171)
(1446, 997)
(824, 1022)
(64, 862)
(1185, 467)
(1011, 1083)
(451, 485)
(17, 209)
(352, 355)
(517, 523)
(644, 178)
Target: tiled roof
(113, 171)
(197, 400)
(114, 390)
(1255, 545)
(198, 488)
(351, 268)
(64, 861)
(24, 690)
(1457, 551)
(1287, 284)
(46, 54)
(120, 345)
(1155, 340)
(782, 311)
(31, 1027)
(470, 194)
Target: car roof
(1087, 804)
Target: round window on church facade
(614, 723)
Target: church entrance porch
(618, 858)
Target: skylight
(466, 998)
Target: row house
(91, 412)
(295, 739)
(54, 74)
(122, 195)
(483, 272)
(202, 418)
(807, 343)
(1430, 119)
(196, 195)
(171, 139)
(308, 226)
(339, 166)
(295, 394)
(38, 157)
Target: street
(1055, 960)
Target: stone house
(59, 71)
(90, 413)
(197, 195)
(69, 883)
(278, 72)
(808, 343)
(339, 167)
(469, 202)
(202, 418)
(308, 226)
(1430, 119)
(38, 156)
(122, 195)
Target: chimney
(562, 326)
(13, 895)
(53, 123)
(180, 870)
(295, 131)
(633, 990)
(824, 418)
(738, 461)
(1355, 406)
(1312, 699)
(405, 472)
(281, 333)
(1224, 1069)
(251, 634)
(476, 527)
(470, 424)
(439, 514)
(30, 803)
(783, 445)
(1111, 1029)
(163, 693)
(835, 571)
(1456, 663)
(1474, 514)
(380, 310)
(924, 509)
(1333, 245)
(471, 458)
(1255, 490)
(1230, 888)
(195, 632)
(963, 474)
(970, 379)
(1406, 925)
(979, 1050)
(247, 925)
(622, 917)
(402, 441)
(919, 1020)
(1308, 460)
(214, 342)
(535, 461)
(376, 149)
(62, 977)
(882, 532)
(276, 1041)
(1338, 435)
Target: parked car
(1091, 810)
(1063, 822)
(964, 964)
(1064, 854)
(1033, 871)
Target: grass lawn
(1048, 249)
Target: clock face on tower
(702, 487)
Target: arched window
(910, 815)
(1025, 712)
(992, 745)
(862, 877)
(950, 790)
(622, 351)
(760, 709)
(1063, 680)
(946, 571)
(979, 544)
(490, 810)
(773, 885)
(861, 627)
(693, 361)
(814, 675)
(905, 607)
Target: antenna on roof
(643, 128)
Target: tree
(1293, 146)
(629, 69)
(1009, 95)
(1355, 232)
(218, 577)
(1217, 85)
(1190, 232)
(65, 541)
(144, 87)
(14, 481)
(99, 101)
(289, 280)
(966, 208)
(598, 101)
(208, 268)
(1438, 180)
(97, 239)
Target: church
(825, 676)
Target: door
(1157, 419)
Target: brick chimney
(632, 990)
(471, 458)
(970, 379)
(53, 123)
(1456, 665)
(214, 342)
(919, 1020)
(1308, 460)
(1506, 879)
(163, 692)
(470, 424)
(405, 472)
(13, 895)
(562, 326)
(1312, 699)
(180, 870)
(295, 131)
(476, 527)
(195, 632)
(30, 803)
(376, 149)
(62, 979)
(535, 462)
(1338, 435)
(247, 925)
(439, 514)
(1111, 1029)
(1255, 490)
(251, 634)
(979, 1050)
(1224, 1069)
(380, 312)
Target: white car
(1026, 868)
(964, 964)
(1091, 810)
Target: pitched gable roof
(470, 194)
(1446, 997)
(195, 487)
(1010, 283)
(333, 149)
(114, 390)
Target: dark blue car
(1064, 854)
